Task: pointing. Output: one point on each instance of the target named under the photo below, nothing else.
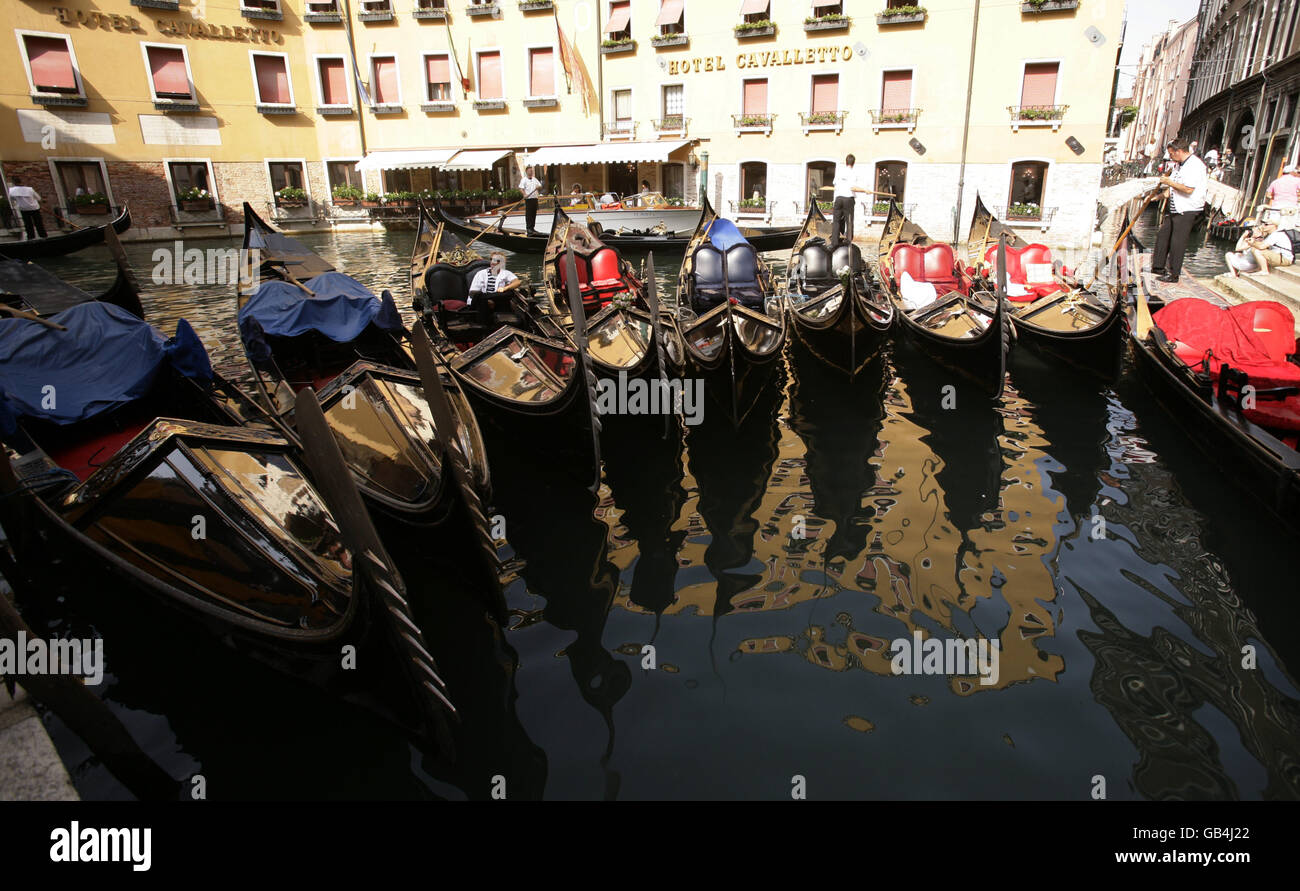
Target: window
(619, 26)
(755, 10)
(384, 87)
(333, 74)
(891, 178)
(260, 5)
(672, 107)
(821, 8)
(437, 72)
(271, 74)
(754, 98)
(344, 173)
(431, 4)
(896, 92)
(673, 179)
(820, 173)
(1039, 86)
(623, 105)
(286, 174)
(489, 75)
(672, 17)
(169, 75)
(397, 181)
(1289, 115)
(1028, 179)
(376, 6)
(80, 178)
(753, 181)
(187, 175)
(825, 93)
(541, 72)
(50, 64)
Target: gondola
(68, 243)
(620, 324)
(1231, 379)
(26, 286)
(517, 365)
(843, 333)
(732, 321)
(305, 325)
(518, 242)
(133, 460)
(1081, 325)
(955, 321)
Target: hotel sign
(172, 28)
(766, 59)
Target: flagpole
(362, 98)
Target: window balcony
(880, 210)
(611, 47)
(334, 111)
(752, 208)
(67, 100)
(664, 40)
(671, 125)
(822, 120)
(536, 5)
(902, 15)
(1027, 215)
(173, 5)
(375, 12)
(176, 105)
(541, 102)
(438, 106)
(832, 22)
(195, 213)
(1037, 116)
(753, 123)
(1033, 7)
(275, 108)
(482, 9)
(383, 108)
(750, 30)
(894, 119)
(489, 104)
(323, 18)
(268, 10)
(615, 130)
(435, 13)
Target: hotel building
(151, 102)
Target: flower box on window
(822, 120)
(386, 108)
(59, 99)
(261, 9)
(323, 12)
(901, 15)
(753, 123)
(832, 21)
(1025, 212)
(430, 12)
(671, 125)
(263, 108)
(291, 196)
(1037, 116)
(536, 5)
(482, 9)
(1034, 6)
(894, 119)
(612, 47)
(333, 111)
(489, 104)
(375, 11)
(195, 200)
(669, 40)
(746, 30)
(347, 196)
(438, 107)
(94, 203)
(618, 130)
(157, 4)
(541, 102)
(174, 105)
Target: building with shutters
(754, 101)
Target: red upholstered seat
(933, 264)
(1017, 258)
(604, 269)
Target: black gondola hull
(69, 243)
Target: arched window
(1028, 185)
(891, 179)
(753, 183)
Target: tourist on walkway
(1283, 194)
(531, 186)
(1187, 187)
(1258, 249)
(846, 185)
(25, 200)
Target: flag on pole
(465, 84)
(575, 69)
(362, 93)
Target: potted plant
(823, 117)
(753, 203)
(900, 14)
(1026, 211)
(399, 198)
(753, 120)
(196, 200)
(761, 28)
(95, 202)
(291, 196)
(347, 196)
(616, 45)
(831, 20)
(371, 199)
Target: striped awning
(606, 153)
(405, 159)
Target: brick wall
(37, 175)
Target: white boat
(646, 212)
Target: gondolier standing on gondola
(28, 203)
(531, 186)
(1187, 187)
(846, 184)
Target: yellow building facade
(156, 102)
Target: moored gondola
(497, 234)
(732, 321)
(67, 243)
(31, 288)
(1230, 377)
(514, 364)
(305, 325)
(835, 309)
(1052, 312)
(957, 323)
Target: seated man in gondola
(490, 288)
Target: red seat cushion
(604, 265)
(933, 264)
(1016, 260)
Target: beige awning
(475, 159)
(405, 159)
(606, 153)
(670, 13)
(618, 19)
(753, 7)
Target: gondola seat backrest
(849, 255)
(707, 270)
(1017, 260)
(932, 264)
(742, 275)
(446, 282)
(604, 269)
(816, 262)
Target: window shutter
(51, 64)
(896, 95)
(825, 92)
(385, 87)
(167, 68)
(489, 76)
(755, 97)
(272, 80)
(1040, 84)
(542, 80)
(334, 81)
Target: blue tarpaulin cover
(107, 357)
(341, 309)
(724, 234)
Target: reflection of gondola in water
(840, 424)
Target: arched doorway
(1237, 135)
(1214, 138)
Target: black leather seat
(742, 275)
(849, 255)
(707, 276)
(816, 262)
(446, 282)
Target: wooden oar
(433, 253)
(30, 317)
(1133, 221)
(1144, 321)
(486, 229)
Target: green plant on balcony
(753, 203)
(618, 41)
(754, 120)
(894, 11)
(371, 199)
(1032, 211)
(347, 194)
(400, 197)
(90, 198)
(823, 19)
(880, 208)
(290, 196)
(1041, 114)
(744, 27)
(1127, 115)
(823, 117)
(675, 202)
(825, 205)
(895, 117)
(195, 194)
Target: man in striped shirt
(490, 288)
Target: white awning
(606, 153)
(618, 19)
(405, 159)
(475, 159)
(670, 13)
(753, 7)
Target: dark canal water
(1072, 522)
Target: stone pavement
(1282, 284)
(30, 769)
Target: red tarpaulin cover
(1255, 337)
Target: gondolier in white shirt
(27, 202)
(1187, 187)
(846, 185)
(531, 186)
(488, 286)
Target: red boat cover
(1016, 258)
(933, 264)
(1255, 337)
